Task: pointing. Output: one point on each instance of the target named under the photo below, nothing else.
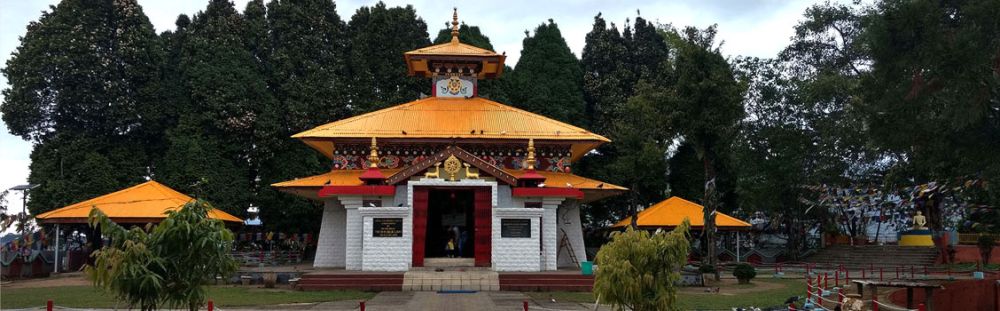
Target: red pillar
(874, 303)
(420, 200)
(483, 212)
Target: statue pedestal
(916, 237)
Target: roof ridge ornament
(373, 156)
(454, 25)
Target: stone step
(449, 262)
(478, 280)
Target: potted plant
(744, 272)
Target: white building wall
(352, 253)
(550, 242)
(516, 254)
(331, 243)
(570, 224)
(387, 253)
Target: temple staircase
(867, 256)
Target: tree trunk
(711, 206)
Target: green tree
(226, 94)
(379, 36)
(702, 109)
(639, 270)
(84, 86)
(932, 93)
(548, 77)
(613, 69)
(166, 264)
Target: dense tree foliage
(548, 79)
(85, 87)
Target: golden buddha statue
(919, 221)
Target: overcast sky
(747, 27)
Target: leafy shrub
(744, 272)
(639, 270)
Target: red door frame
(483, 222)
(420, 198)
(483, 210)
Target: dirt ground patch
(64, 279)
(730, 287)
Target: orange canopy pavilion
(147, 202)
(453, 179)
(671, 212)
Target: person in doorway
(449, 248)
(462, 239)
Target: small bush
(744, 272)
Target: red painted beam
(547, 192)
(357, 190)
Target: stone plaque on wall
(387, 227)
(515, 228)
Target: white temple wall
(331, 242)
(386, 253)
(549, 228)
(516, 254)
(570, 224)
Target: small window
(532, 204)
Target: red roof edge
(357, 190)
(547, 192)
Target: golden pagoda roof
(145, 202)
(671, 212)
(447, 119)
(309, 186)
(418, 62)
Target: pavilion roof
(447, 119)
(142, 203)
(671, 212)
(309, 186)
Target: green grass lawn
(223, 296)
(703, 301)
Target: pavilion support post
(738, 258)
(55, 267)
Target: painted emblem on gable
(454, 86)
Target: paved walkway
(487, 301)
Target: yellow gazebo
(671, 212)
(147, 202)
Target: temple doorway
(450, 217)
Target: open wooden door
(484, 226)
(420, 201)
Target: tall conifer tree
(379, 36)
(84, 86)
(548, 79)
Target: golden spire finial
(454, 25)
(530, 161)
(373, 157)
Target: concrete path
(486, 301)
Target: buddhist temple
(453, 177)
